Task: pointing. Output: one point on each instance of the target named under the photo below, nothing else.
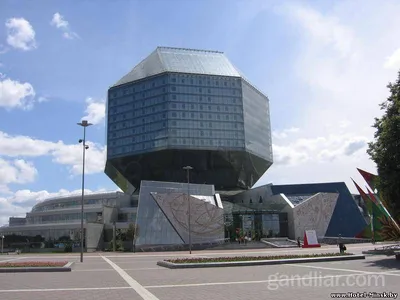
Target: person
(298, 242)
(341, 245)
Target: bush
(250, 258)
(119, 245)
(68, 248)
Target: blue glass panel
(257, 123)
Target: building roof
(181, 60)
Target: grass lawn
(34, 264)
(249, 258)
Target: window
(251, 200)
(173, 97)
(173, 88)
(260, 200)
(173, 79)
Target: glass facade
(75, 201)
(257, 124)
(62, 218)
(41, 238)
(187, 107)
(175, 111)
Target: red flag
(364, 196)
(369, 178)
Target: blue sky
(323, 64)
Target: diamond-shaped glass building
(183, 107)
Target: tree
(131, 233)
(385, 149)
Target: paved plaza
(136, 276)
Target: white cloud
(16, 171)
(339, 60)
(15, 94)
(59, 22)
(95, 111)
(393, 61)
(20, 34)
(22, 201)
(318, 149)
(282, 134)
(69, 155)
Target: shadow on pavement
(385, 263)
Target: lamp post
(188, 168)
(2, 244)
(84, 124)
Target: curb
(170, 265)
(65, 268)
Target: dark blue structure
(346, 219)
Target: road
(136, 276)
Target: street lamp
(188, 168)
(2, 244)
(84, 124)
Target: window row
(158, 120)
(60, 218)
(204, 116)
(183, 142)
(219, 81)
(184, 79)
(128, 104)
(139, 138)
(158, 112)
(212, 107)
(70, 204)
(213, 124)
(180, 133)
(189, 124)
(189, 90)
(156, 127)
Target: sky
(323, 64)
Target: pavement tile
(59, 280)
(81, 295)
